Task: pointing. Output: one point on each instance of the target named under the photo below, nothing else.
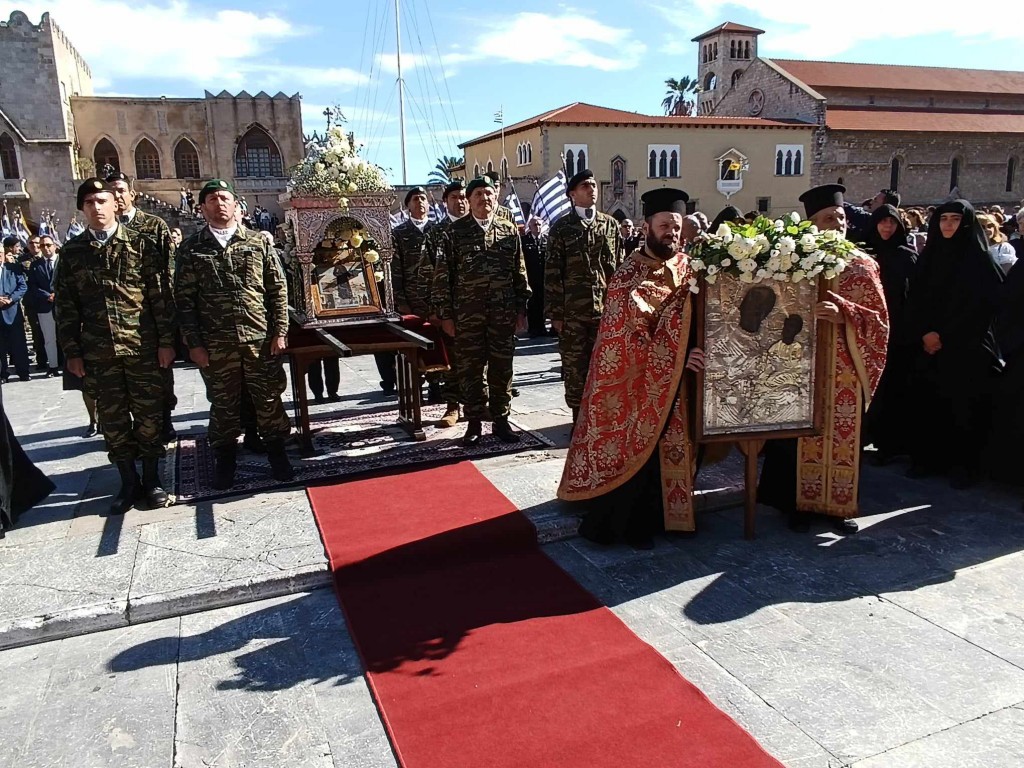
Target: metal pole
(401, 92)
(504, 160)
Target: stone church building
(55, 132)
(925, 131)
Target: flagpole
(401, 92)
(504, 159)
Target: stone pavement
(902, 646)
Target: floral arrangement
(332, 168)
(786, 250)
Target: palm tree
(676, 101)
(442, 173)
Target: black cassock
(1007, 444)
(22, 483)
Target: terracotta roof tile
(835, 74)
(727, 27)
(924, 122)
(590, 114)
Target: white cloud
(806, 29)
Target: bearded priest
(632, 453)
(820, 475)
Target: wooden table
(307, 345)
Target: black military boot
(504, 432)
(168, 427)
(434, 393)
(224, 467)
(280, 468)
(130, 486)
(473, 433)
(253, 442)
(155, 494)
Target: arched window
(1011, 172)
(529, 153)
(504, 168)
(714, 51)
(476, 170)
(894, 174)
(725, 171)
(570, 164)
(789, 163)
(746, 50)
(778, 163)
(9, 157)
(732, 49)
(673, 164)
(186, 160)
(490, 167)
(147, 160)
(710, 81)
(663, 164)
(954, 172)
(736, 77)
(652, 165)
(257, 156)
(704, 54)
(798, 163)
(581, 161)
(106, 154)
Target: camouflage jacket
(412, 267)
(109, 298)
(230, 295)
(156, 244)
(479, 268)
(580, 261)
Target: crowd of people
(937, 288)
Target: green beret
(455, 186)
(414, 191)
(479, 181)
(215, 185)
(90, 187)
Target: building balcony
(13, 189)
(730, 187)
(267, 185)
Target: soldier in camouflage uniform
(233, 311)
(117, 330)
(457, 206)
(480, 292)
(584, 249)
(155, 236)
(501, 211)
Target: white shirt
(130, 216)
(484, 223)
(420, 223)
(1003, 255)
(223, 236)
(453, 217)
(109, 233)
(587, 214)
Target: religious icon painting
(342, 274)
(765, 360)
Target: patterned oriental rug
(346, 445)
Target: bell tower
(722, 55)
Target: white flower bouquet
(332, 168)
(786, 250)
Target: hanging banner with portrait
(765, 359)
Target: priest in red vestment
(632, 453)
(820, 475)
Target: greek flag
(5, 222)
(512, 203)
(551, 201)
(398, 218)
(20, 230)
(74, 229)
(436, 213)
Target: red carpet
(481, 652)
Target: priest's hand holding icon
(829, 311)
(695, 360)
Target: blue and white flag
(398, 218)
(20, 228)
(5, 222)
(75, 228)
(436, 213)
(551, 201)
(512, 203)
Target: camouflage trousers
(265, 380)
(485, 342)
(575, 345)
(129, 405)
(167, 387)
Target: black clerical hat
(91, 187)
(578, 179)
(414, 191)
(825, 196)
(664, 200)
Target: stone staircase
(188, 223)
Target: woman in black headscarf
(886, 423)
(731, 214)
(950, 314)
(22, 483)
(1007, 445)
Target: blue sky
(464, 60)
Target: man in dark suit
(12, 322)
(40, 296)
